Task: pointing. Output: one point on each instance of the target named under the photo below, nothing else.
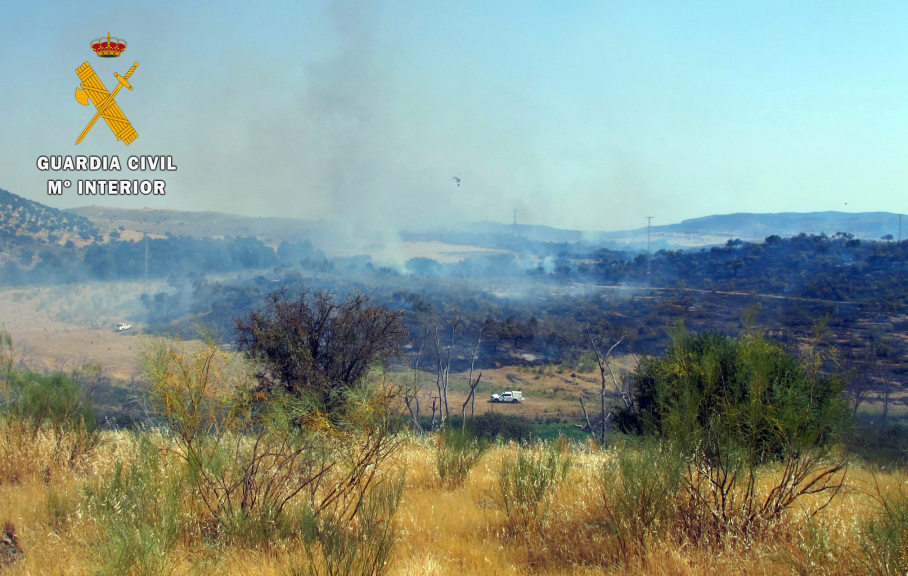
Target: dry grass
(444, 531)
(52, 325)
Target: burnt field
(536, 311)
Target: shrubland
(732, 457)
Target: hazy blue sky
(584, 115)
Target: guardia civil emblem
(93, 89)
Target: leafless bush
(725, 500)
(315, 345)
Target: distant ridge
(24, 221)
(703, 231)
(716, 229)
(861, 224)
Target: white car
(122, 327)
(513, 396)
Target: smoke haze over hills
(707, 230)
(589, 118)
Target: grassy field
(119, 502)
(439, 530)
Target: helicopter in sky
(456, 179)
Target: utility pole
(146, 259)
(649, 222)
(900, 227)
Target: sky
(579, 115)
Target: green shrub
(730, 406)
(335, 548)
(640, 494)
(50, 407)
(884, 538)
(881, 446)
(749, 391)
(526, 480)
(260, 462)
(553, 429)
(54, 401)
(493, 425)
(458, 450)
(139, 514)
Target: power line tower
(649, 223)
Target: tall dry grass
(185, 499)
(127, 511)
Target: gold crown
(110, 48)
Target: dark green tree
(745, 393)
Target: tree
(447, 330)
(421, 335)
(598, 343)
(492, 331)
(731, 406)
(424, 267)
(471, 397)
(531, 329)
(316, 345)
(861, 367)
(747, 391)
(511, 330)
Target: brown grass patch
(445, 531)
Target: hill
(134, 223)
(694, 232)
(704, 231)
(199, 224)
(756, 227)
(26, 222)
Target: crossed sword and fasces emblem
(92, 88)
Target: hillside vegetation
(25, 222)
(197, 224)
